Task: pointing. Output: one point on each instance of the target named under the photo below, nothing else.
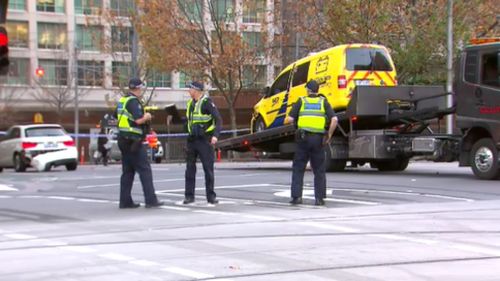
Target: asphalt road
(431, 222)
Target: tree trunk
(232, 117)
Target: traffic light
(4, 51)
(40, 72)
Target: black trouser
(311, 147)
(202, 148)
(104, 153)
(135, 159)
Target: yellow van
(338, 70)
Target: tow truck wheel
(484, 159)
(259, 125)
(333, 165)
(19, 165)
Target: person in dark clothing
(102, 141)
(203, 125)
(311, 115)
(131, 120)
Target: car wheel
(19, 165)
(47, 167)
(259, 125)
(483, 159)
(71, 166)
(396, 165)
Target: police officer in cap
(131, 122)
(310, 115)
(203, 125)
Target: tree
(8, 98)
(414, 30)
(206, 42)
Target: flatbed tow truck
(387, 126)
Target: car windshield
(45, 132)
(368, 59)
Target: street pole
(449, 80)
(77, 116)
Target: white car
(42, 146)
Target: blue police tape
(177, 135)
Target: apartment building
(53, 44)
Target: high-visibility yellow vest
(124, 116)
(312, 115)
(197, 117)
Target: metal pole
(77, 117)
(449, 80)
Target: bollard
(82, 155)
(219, 155)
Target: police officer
(311, 115)
(131, 122)
(203, 125)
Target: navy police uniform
(203, 122)
(134, 155)
(311, 115)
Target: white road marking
(116, 257)
(187, 272)
(308, 192)
(330, 226)
(145, 263)
(476, 249)
(218, 187)
(406, 238)
(19, 236)
(93, 200)
(61, 198)
(408, 192)
(174, 208)
(48, 242)
(79, 249)
(4, 187)
(5, 197)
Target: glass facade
(121, 73)
(18, 34)
(88, 7)
(91, 73)
(56, 72)
(18, 71)
(122, 8)
(52, 6)
(51, 35)
(159, 79)
(17, 5)
(121, 39)
(89, 38)
(253, 11)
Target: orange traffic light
(40, 72)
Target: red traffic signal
(40, 72)
(4, 51)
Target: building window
(89, 38)
(122, 8)
(121, 74)
(254, 76)
(121, 39)
(253, 11)
(87, 7)
(254, 42)
(90, 73)
(18, 71)
(17, 5)
(56, 6)
(18, 34)
(222, 9)
(159, 79)
(56, 72)
(51, 35)
(193, 9)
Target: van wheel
(1, 169)
(333, 165)
(484, 159)
(19, 165)
(393, 165)
(71, 166)
(259, 125)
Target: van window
(368, 59)
(489, 69)
(281, 83)
(300, 75)
(470, 72)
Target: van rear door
(369, 66)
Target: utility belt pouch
(300, 135)
(198, 131)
